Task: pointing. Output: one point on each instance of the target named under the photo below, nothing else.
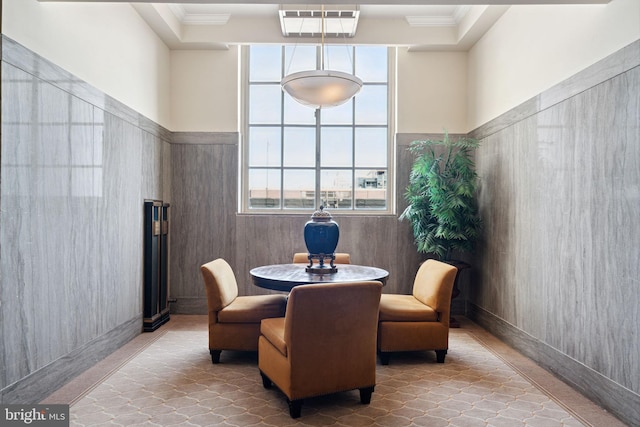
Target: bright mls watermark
(34, 415)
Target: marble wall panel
(203, 207)
(47, 204)
(407, 259)
(121, 221)
(152, 167)
(18, 323)
(72, 185)
(560, 199)
(166, 173)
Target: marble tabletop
(283, 277)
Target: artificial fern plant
(442, 209)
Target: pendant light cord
(322, 29)
(322, 40)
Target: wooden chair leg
(440, 354)
(295, 408)
(215, 356)
(266, 382)
(365, 395)
(384, 357)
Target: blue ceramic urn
(321, 237)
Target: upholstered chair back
(220, 284)
(332, 329)
(433, 285)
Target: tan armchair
(234, 321)
(303, 257)
(419, 321)
(325, 344)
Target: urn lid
(321, 215)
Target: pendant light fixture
(321, 88)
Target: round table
(283, 277)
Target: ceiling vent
(339, 21)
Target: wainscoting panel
(203, 209)
(560, 200)
(408, 260)
(120, 215)
(75, 169)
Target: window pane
(371, 189)
(371, 105)
(264, 63)
(371, 147)
(300, 147)
(264, 104)
(340, 115)
(299, 58)
(336, 147)
(264, 146)
(288, 148)
(339, 58)
(264, 188)
(371, 63)
(336, 188)
(298, 114)
(299, 188)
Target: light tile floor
(166, 378)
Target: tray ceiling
(416, 24)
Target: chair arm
(273, 330)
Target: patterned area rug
(172, 382)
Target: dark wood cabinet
(156, 286)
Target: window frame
(243, 175)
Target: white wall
(432, 92)
(105, 44)
(532, 48)
(204, 90)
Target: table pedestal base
(321, 270)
